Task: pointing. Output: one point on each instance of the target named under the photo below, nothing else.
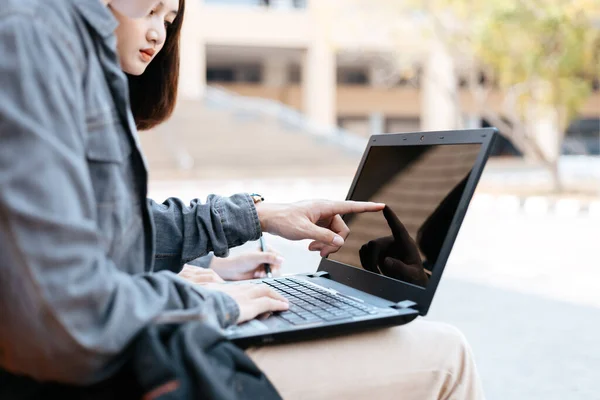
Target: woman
(422, 360)
(150, 58)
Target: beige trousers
(422, 360)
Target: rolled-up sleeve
(186, 232)
(67, 312)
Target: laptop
(389, 268)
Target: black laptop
(391, 263)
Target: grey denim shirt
(86, 261)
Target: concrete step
(223, 143)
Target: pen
(263, 247)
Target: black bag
(164, 362)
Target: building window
(294, 74)
(352, 76)
(240, 73)
(582, 137)
(220, 75)
(249, 74)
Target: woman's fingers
(267, 304)
(337, 225)
(262, 290)
(260, 273)
(316, 246)
(199, 275)
(258, 258)
(254, 300)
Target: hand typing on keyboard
(253, 299)
(311, 304)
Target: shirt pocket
(107, 152)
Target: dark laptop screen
(422, 187)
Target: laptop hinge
(319, 274)
(404, 304)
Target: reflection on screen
(422, 187)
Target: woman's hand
(253, 299)
(318, 220)
(247, 265)
(199, 275)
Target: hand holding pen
(263, 248)
(238, 267)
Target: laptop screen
(421, 187)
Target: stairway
(230, 144)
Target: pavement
(522, 285)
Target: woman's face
(139, 40)
(132, 8)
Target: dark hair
(153, 94)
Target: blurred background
(279, 97)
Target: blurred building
(284, 50)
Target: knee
(452, 335)
(451, 344)
(449, 354)
(459, 361)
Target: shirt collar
(97, 16)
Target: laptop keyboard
(310, 304)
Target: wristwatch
(257, 198)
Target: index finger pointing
(350, 207)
